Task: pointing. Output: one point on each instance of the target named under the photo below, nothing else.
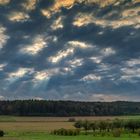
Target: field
(38, 128)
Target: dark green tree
(93, 126)
(102, 125)
(78, 124)
(86, 126)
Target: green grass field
(38, 128)
(45, 136)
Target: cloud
(84, 19)
(19, 73)
(74, 63)
(46, 13)
(135, 1)
(4, 2)
(37, 45)
(39, 76)
(2, 97)
(107, 51)
(79, 44)
(100, 3)
(71, 46)
(104, 67)
(57, 24)
(61, 55)
(133, 62)
(108, 98)
(68, 4)
(91, 78)
(101, 54)
(96, 59)
(62, 3)
(38, 98)
(131, 12)
(2, 66)
(42, 75)
(130, 74)
(29, 4)
(18, 16)
(56, 7)
(3, 37)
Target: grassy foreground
(38, 128)
(45, 136)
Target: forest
(68, 108)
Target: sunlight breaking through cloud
(38, 44)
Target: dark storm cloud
(53, 58)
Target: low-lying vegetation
(66, 132)
(1, 133)
(102, 128)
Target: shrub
(117, 123)
(66, 132)
(1, 133)
(76, 132)
(138, 131)
(117, 133)
(62, 132)
(54, 132)
(71, 120)
(102, 133)
(78, 124)
(70, 132)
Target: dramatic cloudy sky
(70, 49)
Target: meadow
(39, 128)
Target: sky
(83, 50)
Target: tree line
(108, 125)
(67, 108)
